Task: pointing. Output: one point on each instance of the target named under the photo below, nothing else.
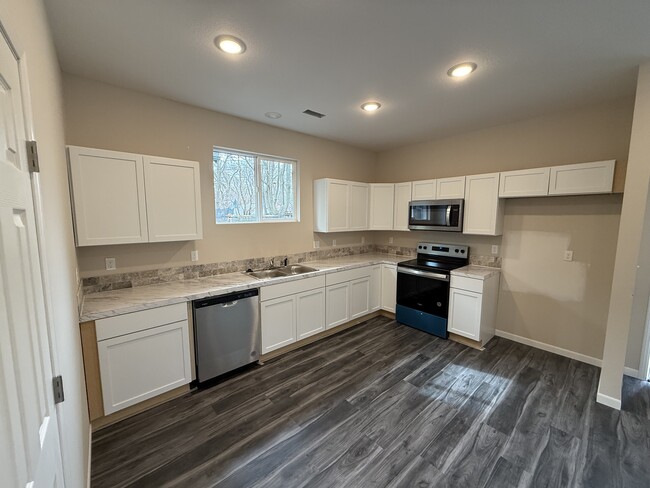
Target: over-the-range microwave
(445, 215)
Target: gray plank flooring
(384, 405)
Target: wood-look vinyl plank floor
(384, 405)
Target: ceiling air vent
(314, 114)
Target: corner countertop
(117, 302)
(476, 272)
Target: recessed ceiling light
(230, 44)
(370, 106)
(272, 115)
(462, 69)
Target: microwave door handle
(448, 216)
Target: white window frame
(258, 184)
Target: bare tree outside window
(252, 188)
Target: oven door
(423, 300)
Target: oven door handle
(448, 216)
(424, 274)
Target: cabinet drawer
(469, 284)
(347, 275)
(137, 321)
(291, 288)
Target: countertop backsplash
(117, 281)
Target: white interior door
(29, 439)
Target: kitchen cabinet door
(142, 365)
(402, 199)
(278, 318)
(359, 196)
(331, 205)
(173, 196)
(310, 313)
(465, 313)
(388, 287)
(424, 190)
(483, 208)
(337, 304)
(524, 183)
(450, 188)
(382, 197)
(359, 298)
(581, 179)
(108, 196)
(375, 288)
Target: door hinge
(32, 157)
(57, 386)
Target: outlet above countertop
(117, 302)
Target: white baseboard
(550, 348)
(634, 373)
(608, 401)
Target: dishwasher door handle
(229, 304)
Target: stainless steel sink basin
(267, 273)
(293, 269)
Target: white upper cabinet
(401, 212)
(424, 190)
(524, 183)
(483, 208)
(359, 194)
(450, 188)
(382, 199)
(108, 197)
(580, 179)
(123, 198)
(173, 195)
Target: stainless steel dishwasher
(226, 333)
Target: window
(254, 187)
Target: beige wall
(27, 26)
(104, 116)
(542, 297)
(632, 270)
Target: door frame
(644, 366)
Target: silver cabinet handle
(424, 274)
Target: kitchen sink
(295, 269)
(291, 270)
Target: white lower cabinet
(473, 306)
(338, 304)
(388, 287)
(310, 313)
(375, 288)
(278, 318)
(359, 297)
(142, 355)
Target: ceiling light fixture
(272, 115)
(230, 44)
(370, 106)
(461, 70)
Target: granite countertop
(476, 272)
(117, 302)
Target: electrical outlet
(333, 242)
(495, 249)
(194, 255)
(568, 255)
(316, 244)
(111, 264)
(363, 240)
(390, 240)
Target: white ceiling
(533, 56)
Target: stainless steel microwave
(445, 215)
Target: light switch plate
(568, 255)
(316, 244)
(390, 240)
(111, 264)
(194, 255)
(333, 242)
(363, 240)
(495, 249)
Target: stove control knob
(462, 251)
(456, 251)
(439, 304)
